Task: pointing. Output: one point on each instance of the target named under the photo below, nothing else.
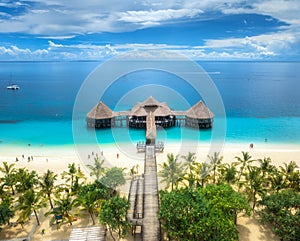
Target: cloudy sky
(199, 29)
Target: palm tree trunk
(214, 175)
(92, 216)
(50, 201)
(254, 200)
(37, 218)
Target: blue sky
(101, 29)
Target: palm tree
(291, 174)
(90, 200)
(25, 179)
(265, 165)
(267, 170)
(277, 181)
(47, 184)
(8, 170)
(289, 168)
(29, 202)
(79, 175)
(133, 171)
(228, 173)
(172, 171)
(97, 169)
(70, 174)
(73, 175)
(64, 207)
(189, 162)
(244, 162)
(203, 170)
(254, 183)
(215, 162)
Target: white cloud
(17, 53)
(68, 18)
(158, 15)
(242, 49)
(56, 20)
(53, 45)
(263, 45)
(58, 37)
(287, 11)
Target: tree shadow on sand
(250, 229)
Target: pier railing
(141, 146)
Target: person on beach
(43, 232)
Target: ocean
(261, 102)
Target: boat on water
(13, 87)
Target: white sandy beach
(58, 158)
(125, 155)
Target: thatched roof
(199, 111)
(151, 105)
(150, 102)
(100, 111)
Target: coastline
(58, 157)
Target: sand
(58, 158)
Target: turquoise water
(261, 101)
(276, 130)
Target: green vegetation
(24, 193)
(113, 214)
(282, 210)
(202, 200)
(207, 213)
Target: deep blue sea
(261, 100)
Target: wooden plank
(151, 224)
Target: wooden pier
(143, 194)
(151, 224)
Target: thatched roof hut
(100, 111)
(199, 116)
(199, 111)
(101, 116)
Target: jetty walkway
(143, 194)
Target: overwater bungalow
(198, 116)
(101, 116)
(163, 114)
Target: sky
(101, 29)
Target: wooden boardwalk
(143, 194)
(151, 224)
